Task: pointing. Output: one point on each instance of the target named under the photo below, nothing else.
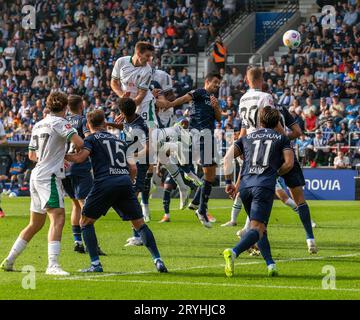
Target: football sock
(11, 185)
(248, 240)
(136, 234)
(247, 223)
(291, 203)
(264, 247)
(149, 241)
(76, 230)
(54, 248)
(196, 200)
(18, 247)
(174, 171)
(236, 208)
(166, 201)
(205, 194)
(186, 169)
(91, 243)
(304, 214)
(147, 186)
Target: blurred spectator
(341, 161)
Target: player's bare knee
(85, 221)
(137, 224)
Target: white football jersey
(133, 78)
(164, 80)
(249, 106)
(49, 139)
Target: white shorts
(147, 112)
(46, 194)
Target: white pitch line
(211, 284)
(88, 277)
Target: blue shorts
(140, 177)
(78, 187)
(258, 202)
(295, 177)
(117, 193)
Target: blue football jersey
(202, 114)
(263, 156)
(108, 155)
(79, 123)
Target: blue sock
(265, 250)
(145, 195)
(149, 241)
(166, 201)
(136, 234)
(91, 242)
(76, 230)
(12, 185)
(248, 240)
(304, 214)
(205, 194)
(196, 199)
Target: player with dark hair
(114, 172)
(266, 154)
(205, 111)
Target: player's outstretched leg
(184, 190)
(305, 217)
(75, 226)
(88, 232)
(264, 247)
(282, 195)
(194, 204)
(235, 211)
(150, 243)
(166, 205)
(247, 241)
(145, 195)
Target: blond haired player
(47, 147)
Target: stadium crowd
(76, 44)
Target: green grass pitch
(193, 257)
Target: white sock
(175, 174)
(167, 215)
(54, 248)
(145, 209)
(18, 247)
(247, 224)
(290, 202)
(236, 208)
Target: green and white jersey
(133, 78)
(49, 139)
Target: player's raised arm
(187, 98)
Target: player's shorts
(205, 151)
(117, 193)
(140, 177)
(280, 184)
(46, 194)
(78, 187)
(258, 202)
(295, 177)
(147, 112)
